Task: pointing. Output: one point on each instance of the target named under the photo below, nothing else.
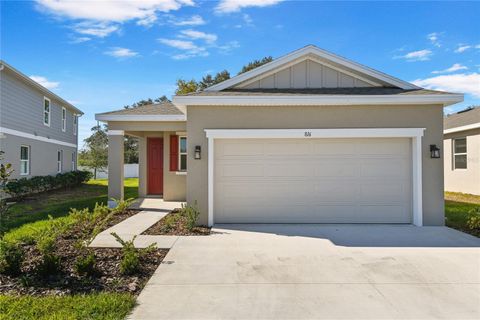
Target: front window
(46, 111)
(182, 155)
(75, 124)
(64, 119)
(24, 160)
(59, 160)
(74, 158)
(460, 153)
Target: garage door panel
(313, 181)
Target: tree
(5, 173)
(184, 86)
(95, 156)
(255, 64)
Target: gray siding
(43, 155)
(21, 108)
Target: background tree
(255, 64)
(95, 155)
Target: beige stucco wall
(463, 180)
(311, 117)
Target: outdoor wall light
(198, 153)
(434, 151)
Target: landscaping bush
(22, 187)
(191, 213)
(85, 265)
(11, 257)
(130, 255)
(50, 263)
(122, 205)
(474, 220)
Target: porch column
(115, 166)
(142, 167)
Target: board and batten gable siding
(22, 110)
(306, 74)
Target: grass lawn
(457, 208)
(105, 306)
(58, 203)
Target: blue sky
(103, 55)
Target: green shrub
(50, 263)
(191, 213)
(169, 223)
(11, 257)
(130, 263)
(121, 206)
(22, 187)
(474, 220)
(85, 265)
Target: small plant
(474, 220)
(130, 263)
(85, 264)
(11, 258)
(191, 213)
(169, 223)
(122, 205)
(50, 263)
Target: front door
(155, 166)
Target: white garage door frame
(415, 134)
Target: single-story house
(461, 145)
(310, 137)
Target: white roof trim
(316, 100)
(137, 117)
(308, 50)
(27, 135)
(462, 128)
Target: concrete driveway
(317, 271)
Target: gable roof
(313, 51)
(38, 86)
(165, 111)
(463, 120)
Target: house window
(46, 111)
(24, 160)
(460, 153)
(59, 160)
(74, 158)
(64, 119)
(75, 124)
(182, 154)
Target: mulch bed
(106, 279)
(175, 224)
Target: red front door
(155, 165)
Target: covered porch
(162, 151)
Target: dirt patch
(107, 276)
(175, 224)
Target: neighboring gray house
(461, 145)
(38, 129)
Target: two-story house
(38, 129)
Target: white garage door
(313, 181)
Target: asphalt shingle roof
(318, 91)
(164, 108)
(463, 118)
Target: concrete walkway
(317, 272)
(155, 209)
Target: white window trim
(28, 160)
(415, 134)
(75, 123)
(49, 111)
(180, 153)
(459, 154)
(64, 119)
(60, 162)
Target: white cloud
(190, 49)
(420, 55)
(228, 6)
(248, 20)
(194, 20)
(115, 11)
(95, 29)
(45, 82)
(477, 46)
(226, 48)
(461, 82)
(80, 39)
(453, 68)
(194, 34)
(121, 53)
(434, 38)
(462, 48)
